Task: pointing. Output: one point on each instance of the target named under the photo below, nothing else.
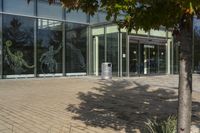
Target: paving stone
(88, 104)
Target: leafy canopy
(145, 14)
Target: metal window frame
(35, 46)
(127, 55)
(120, 54)
(1, 41)
(35, 43)
(1, 48)
(63, 43)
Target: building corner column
(168, 65)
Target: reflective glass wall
(76, 52)
(195, 52)
(145, 58)
(49, 46)
(1, 46)
(99, 17)
(124, 53)
(38, 39)
(72, 16)
(54, 11)
(196, 46)
(136, 53)
(18, 7)
(104, 47)
(18, 51)
(1, 5)
(112, 43)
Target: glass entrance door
(146, 59)
(162, 59)
(134, 59)
(149, 59)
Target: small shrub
(162, 126)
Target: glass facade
(49, 46)
(134, 58)
(38, 39)
(72, 16)
(162, 60)
(49, 11)
(124, 54)
(112, 37)
(175, 48)
(138, 53)
(99, 17)
(18, 7)
(0, 5)
(1, 46)
(176, 57)
(18, 35)
(196, 47)
(147, 58)
(76, 52)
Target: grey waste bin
(106, 70)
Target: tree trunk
(185, 80)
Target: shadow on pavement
(126, 105)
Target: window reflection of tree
(51, 40)
(75, 52)
(196, 45)
(18, 42)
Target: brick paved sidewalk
(88, 105)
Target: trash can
(106, 70)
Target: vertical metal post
(145, 60)
(105, 42)
(172, 57)
(1, 48)
(120, 54)
(127, 55)
(1, 42)
(168, 57)
(193, 42)
(158, 56)
(91, 55)
(139, 61)
(88, 45)
(63, 49)
(169, 54)
(35, 38)
(35, 46)
(96, 49)
(94, 55)
(63, 43)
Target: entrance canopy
(147, 40)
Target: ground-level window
(18, 47)
(76, 44)
(49, 47)
(196, 46)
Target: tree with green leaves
(151, 14)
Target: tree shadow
(125, 105)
